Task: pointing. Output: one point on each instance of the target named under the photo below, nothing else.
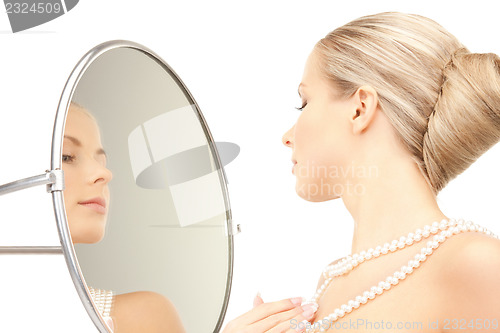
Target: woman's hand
(273, 317)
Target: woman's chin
(88, 238)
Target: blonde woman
(86, 199)
(399, 99)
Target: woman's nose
(102, 174)
(287, 137)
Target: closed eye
(302, 107)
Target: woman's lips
(96, 204)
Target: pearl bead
(376, 253)
(434, 230)
(371, 295)
(392, 248)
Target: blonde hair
(442, 101)
(75, 106)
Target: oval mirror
(145, 195)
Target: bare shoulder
(470, 269)
(145, 311)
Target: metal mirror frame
(54, 179)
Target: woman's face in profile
(320, 139)
(86, 194)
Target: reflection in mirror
(86, 199)
(145, 198)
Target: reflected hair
(74, 105)
(442, 101)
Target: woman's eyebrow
(77, 143)
(74, 140)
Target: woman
(86, 199)
(393, 108)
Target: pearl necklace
(103, 300)
(446, 229)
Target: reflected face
(320, 137)
(86, 194)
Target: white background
(242, 62)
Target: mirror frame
(56, 164)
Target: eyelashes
(67, 158)
(302, 107)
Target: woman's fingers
(257, 300)
(277, 311)
(297, 322)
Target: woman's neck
(394, 201)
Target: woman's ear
(366, 103)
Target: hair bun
(466, 118)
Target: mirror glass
(163, 225)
